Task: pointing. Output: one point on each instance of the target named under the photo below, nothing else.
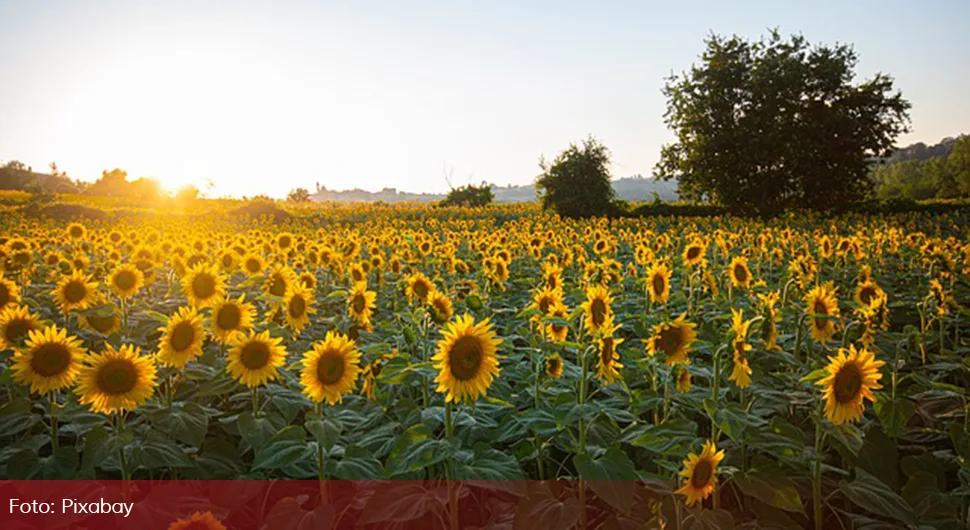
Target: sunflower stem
(817, 472)
(120, 425)
(321, 463)
(452, 493)
(582, 439)
(52, 400)
(255, 402)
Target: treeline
(14, 175)
(918, 171)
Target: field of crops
(686, 372)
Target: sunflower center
(254, 355)
(421, 289)
(117, 377)
(359, 303)
(125, 280)
(252, 266)
(820, 309)
(50, 359)
(740, 273)
(544, 304)
(659, 284)
(204, 286)
(330, 368)
(670, 341)
(606, 352)
(278, 287)
(692, 253)
(229, 317)
(76, 231)
(75, 291)
(16, 330)
(598, 312)
(358, 275)
(847, 384)
(866, 294)
(465, 358)
(101, 324)
(703, 471)
(296, 307)
(4, 295)
(183, 335)
(739, 351)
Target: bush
(469, 195)
(259, 208)
(577, 183)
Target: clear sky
(262, 97)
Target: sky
(264, 97)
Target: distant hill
(920, 151)
(635, 188)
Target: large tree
(769, 125)
(577, 183)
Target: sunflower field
(662, 372)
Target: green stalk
(817, 472)
(322, 463)
(52, 400)
(255, 402)
(452, 493)
(120, 425)
(582, 439)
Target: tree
(187, 193)
(577, 183)
(958, 164)
(298, 195)
(770, 125)
(469, 195)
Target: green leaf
(489, 465)
(543, 509)
(893, 414)
(398, 503)
(16, 417)
(814, 375)
(673, 436)
(286, 447)
(156, 451)
(94, 445)
(359, 464)
(326, 432)
(772, 488)
(880, 456)
(257, 431)
(611, 476)
(186, 422)
(867, 492)
(847, 435)
(61, 465)
(415, 450)
(155, 315)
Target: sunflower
(608, 364)
(694, 253)
(597, 308)
(658, 283)
(739, 273)
(683, 379)
(198, 521)
(361, 304)
(49, 361)
(700, 473)
(279, 281)
(75, 291)
(822, 301)
(466, 360)
(552, 276)
(9, 293)
(255, 358)
(253, 265)
(331, 368)
(126, 280)
(557, 332)
(866, 291)
(742, 371)
(769, 330)
(553, 365)
(853, 375)
(116, 380)
(102, 324)
(203, 286)
(419, 287)
(76, 231)
(16, 323)
(369, 375)
(298, 305)
(182, 338)
(673, 339)
(543, 301)
(230, 317)
(440, 306)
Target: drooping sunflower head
(821, 301)
(866, 292)
(440, 307)
(739, 273)
(203, 285)
(700, 474)
(116, 379)
(16, 323)
(466, 360)
(75, 291)
(597, 308)
(419, 287)
(683, 378)
(739, 325)
(673, 340)
(49, 361)
(331, 369)
(298, 306)
(230, 317)
(608, 365)
(553, 365)
(658, 283)
(254, 359)
(361, 304)
(852, 376)
(554, 331)
(182, 338)
(126, 280)
(198, 521)
(9, 293)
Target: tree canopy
(577, 183)
(469, 195)
(769, 125)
